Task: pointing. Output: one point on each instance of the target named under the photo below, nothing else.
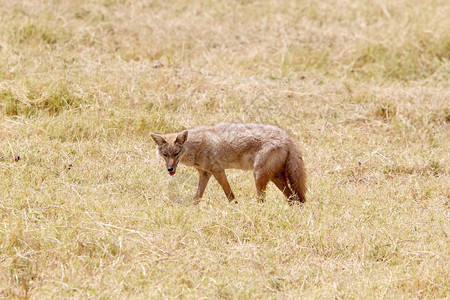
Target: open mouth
(171, 173)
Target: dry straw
(89, 212)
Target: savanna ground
(88, 211)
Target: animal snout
(170, 169)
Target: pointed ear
(159, 140)
(181, 138)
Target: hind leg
(281, 182)
(266, 164)
(261, 180)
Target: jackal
(268, 150)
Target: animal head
(171, 148)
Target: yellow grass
(89, 212)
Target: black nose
(170, 169)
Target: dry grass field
(88, 211)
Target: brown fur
(267, 150)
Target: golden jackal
(267, 150)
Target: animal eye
(177, 154)
(165, 155)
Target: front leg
(222, 179)
(202, 182)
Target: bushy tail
(295, 172)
